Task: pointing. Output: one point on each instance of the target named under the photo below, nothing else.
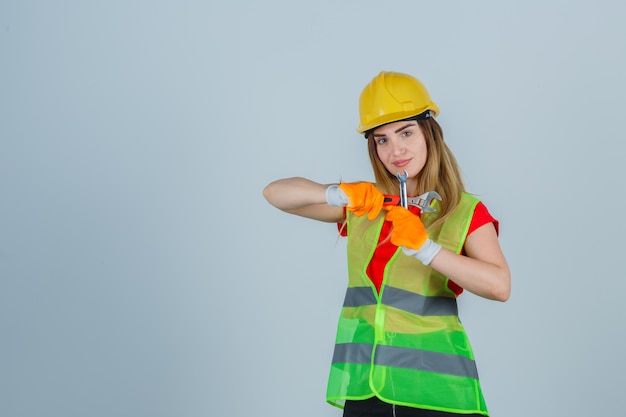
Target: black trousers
(373, 407)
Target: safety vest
(406, 344)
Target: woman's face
(401, 146)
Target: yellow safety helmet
(393, 96)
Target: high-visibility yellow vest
(405, 344)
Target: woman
(401, 349)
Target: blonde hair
(441, 172)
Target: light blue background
(143, 274)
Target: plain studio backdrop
(142, 273)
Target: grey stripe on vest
(359, 296)
(419, 304)
(353, 353)
(424, 360)
(421, 360)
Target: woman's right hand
(364, 198)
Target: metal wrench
(402, 179)
(423, 201)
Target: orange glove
(408, 230)
(364, 198)
(410, 234)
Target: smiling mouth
(401, 163)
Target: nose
(397, 147)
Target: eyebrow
(397, 130)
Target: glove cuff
(335, 196)
(426, 253)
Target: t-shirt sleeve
(481, 217)
(341, 227)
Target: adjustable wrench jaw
(424, 201)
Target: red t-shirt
(385, 251)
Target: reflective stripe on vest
(405, 344)
(402, 300)
(422, 360)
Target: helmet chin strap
(422, 116)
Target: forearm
(302, 197)
(485, 279)
(294, 193)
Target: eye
(406, 133)
(381, 141)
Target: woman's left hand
(408, 230)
